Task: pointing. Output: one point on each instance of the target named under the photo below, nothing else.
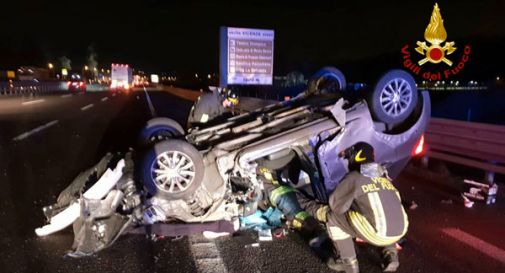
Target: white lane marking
(476, 243)
(206, 255)
(36, 130)
(32, 102)
(150, 103)
(105, 99)
(66, 96)
(87, 107)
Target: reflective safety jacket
(372, 206)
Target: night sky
(161, 35)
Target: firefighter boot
(390, 260)
(347, 265)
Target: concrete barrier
(96, 88)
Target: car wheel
(327, 80)
(172, 169)
(394, 97)
(158, 129)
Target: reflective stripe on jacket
(373, 208)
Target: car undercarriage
(209, 174)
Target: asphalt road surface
(45, 141)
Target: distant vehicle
(121, 77)
(139, 81)
(76, 84)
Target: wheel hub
(395, 97)
(173, 171)
(170, 173)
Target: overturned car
(209, 173)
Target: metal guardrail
(471, 144)
(28, 87)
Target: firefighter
(284, 197)
(212, 106)
(365, 205)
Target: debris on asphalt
(265, 235)
(491, 194)
(446, 201)
(474, 194)
(280, 232)
(154, 237)
(214, 235)
(413, 205)
(177, 238)
(252, 245)
(468, 202)
(481, 191)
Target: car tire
(158, 129)
(332, 73)
(172, 169)
(394, 97)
